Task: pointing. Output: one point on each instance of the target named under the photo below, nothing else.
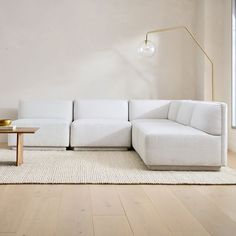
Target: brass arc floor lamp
(147, 48)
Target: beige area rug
(97, 167)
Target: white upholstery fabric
(148, 109)
(166, 133)
(101, 109)
(164, 142)
(52, 133)
(224, 134)
(100, 133)
(45, 109)
(52, 117)
(207, 117)
(185, 112)
(174, 109)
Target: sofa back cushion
(101, 109)
(185, 112)
(174, 109)
(208, 117)
(45, 109)
(181, 111)
(148, 109)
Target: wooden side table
(19, 147)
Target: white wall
(218, 44)
(72, 49)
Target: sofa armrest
(224, 134)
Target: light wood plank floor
(118, 210)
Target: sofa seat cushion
(100, 133)
(164, 142)
(52, 133)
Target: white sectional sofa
(52, 117)
(101, 123)
(167, 135)
(179, 134)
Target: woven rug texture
(97, 167)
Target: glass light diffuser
(147, 48)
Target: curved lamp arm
(194, 39)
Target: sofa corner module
(172, 145)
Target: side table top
(26, 130)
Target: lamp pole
(195, 41)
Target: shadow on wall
(114, 77)
(119, 72)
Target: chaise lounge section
(179, 135)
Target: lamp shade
(147, 48)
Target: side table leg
(19, 149)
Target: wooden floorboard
(42, 211)
(174, 213)
(14, 200)
(75, 212)
(118, 210)
(224, 197)
(105, 201)
(212, 218)
(141, 213)
(111, 225)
